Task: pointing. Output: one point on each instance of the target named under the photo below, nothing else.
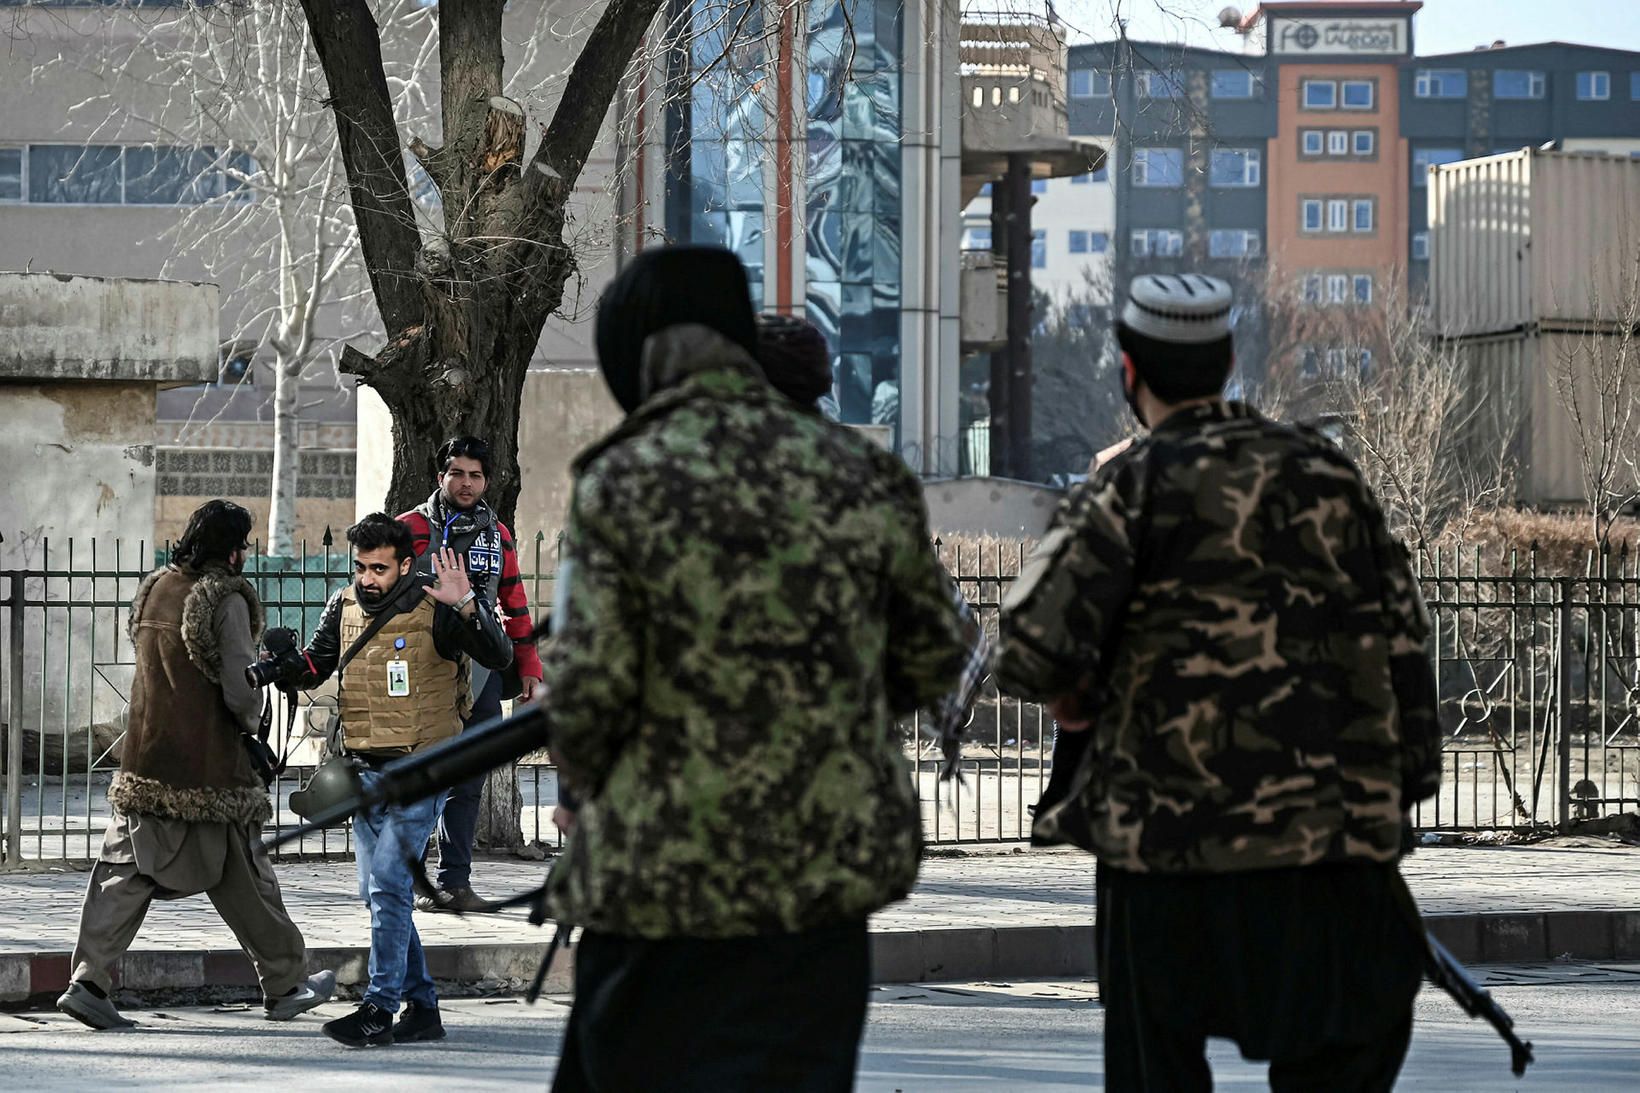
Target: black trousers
(765, 1013)
(1314, 969)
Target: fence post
(14, 737)
(1563, 708)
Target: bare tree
(1596, 373)
(227, 103)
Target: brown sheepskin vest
(372, 719)
(182, 758)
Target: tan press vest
(372, 720)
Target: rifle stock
(1445, 971)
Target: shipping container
(1519, 389)
(1531, 237)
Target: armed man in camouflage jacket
(1222, 607)
(747, 600)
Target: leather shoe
(455, 901)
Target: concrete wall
(59, 327)
(1003, 507)
(564, 411)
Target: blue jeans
(384, 842)
(459, 821)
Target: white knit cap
(1186, 308)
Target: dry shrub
(1563, 541)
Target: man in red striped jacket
(457, 516)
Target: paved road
(1039, 1035)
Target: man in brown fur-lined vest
(188, 807)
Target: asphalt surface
(1029, 1035)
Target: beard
(370, 595)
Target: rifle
(1445, 972)
(482, 748)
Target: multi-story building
(1304, 144)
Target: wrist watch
(467, 599)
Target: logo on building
(1339, 36)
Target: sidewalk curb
(33, 980)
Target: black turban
(795, 357)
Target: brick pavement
(985, 913)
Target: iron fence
(1539, 677)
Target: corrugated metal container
(1530, 237)
(1515, 385)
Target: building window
(170, 176)
(1158, 167)
(1157, 242)
(1356, 94)
(1232, 167)
(1634, 86)
(1039, 185)
(1594, 86)
(75, 174)
(1363, 214)
(1363, 288)
(1233, 83)
(977, 238)
(1098, 242)
(1320, 94)
(1078, 243)
(1233, 243)
(1517, 83)
(1338, 288)
(985, 190)
(1441, 83)
(1338, 142)
(1311, 210)
(1315, 141)
(1312, 289)
(1039, 249)
(1089, 84)
(1160, 85)
(1338, 215)
(11, 174)
(1364, 140)
(1425, 158)
(1420, 246)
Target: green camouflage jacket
(748, 598)
(1251, 642)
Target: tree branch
(348, 43)
(592, 82)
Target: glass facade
(853, 220)
(716, 134)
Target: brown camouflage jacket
(1226, 597)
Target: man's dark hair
(1175, 371)
(467, 447)
(215, 530)
(380, 530)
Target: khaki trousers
(247, 897)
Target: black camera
(285, 663)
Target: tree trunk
(500, 811)
(287, 459)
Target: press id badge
(398, 679)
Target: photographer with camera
(188, 804)
(402, 648)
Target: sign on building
(1323, 37)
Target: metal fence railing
(1539, 676)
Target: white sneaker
(313, 991)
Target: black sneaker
(417, 1024)
(367, 1026)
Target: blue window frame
(1158, 167)
(1634, 86)
(1089, 84)
(1098, 242)
(1078, 243)
(11, 174)
(1356, 94)
(1233, 83)
(1039, 249)
(1160, 85)
(1234, 167)
(1517, 83)
(1425, 158)
(1320, 95)
(1441, 83)
(1420, 246)
(1594, 86)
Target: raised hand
(450, 581)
